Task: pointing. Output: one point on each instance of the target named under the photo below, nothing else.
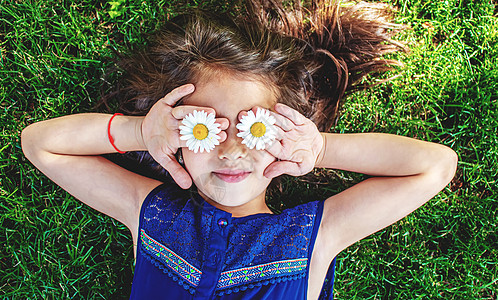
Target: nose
(232, 148)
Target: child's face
(229, 96)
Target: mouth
(232, 176)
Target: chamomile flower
(200, 131)
(257, 130)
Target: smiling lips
(232, 176)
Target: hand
(297, 146)
(161, 133)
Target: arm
(66, 149)
(408, 173)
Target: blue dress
(188, 249)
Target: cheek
(195, 163)
(264, 159)
(200, 163)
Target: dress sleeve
(316, 226)
(158, 189)
(327, 292)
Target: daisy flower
(200, 131)
(257, 130)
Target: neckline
(204, 203)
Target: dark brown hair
(311, 54)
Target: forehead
(230, 95)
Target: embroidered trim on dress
(261, 272)
(230, 281)
(176, 263)
(252, 285)
(170, 273)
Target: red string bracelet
(109, 133)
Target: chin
(229, 198)
(230, 194)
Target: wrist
(126, 132)
(139, 132)
(321, 155)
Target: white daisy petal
(268, 131)
(186, 128)
(251, 142)
(203, 117)
(270, 136)
(214, 137)
(243, 127)
(188, 122)
(200, 140)
(242, 134)
(190, 142)
(215, 130)
(187, 137)
(196, 146)
(210, 119)
(260, 145)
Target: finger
(281, 134)
(278, 168)
(184, 143)
(224, 123)
(177, 172)
(176, 94)
(172, 123)
(280, 131)
(254, 110)
(179, 112)
(275, 149)
(292, 114)
(241, 114)
(223, 136)
(282, 121)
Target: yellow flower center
(200, 131)
(258, 129)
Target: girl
(219, 239)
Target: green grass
(52, 56)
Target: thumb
(179, 174)
(278, 168)
(177, 93)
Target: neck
(255, 206)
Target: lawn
(52, 58)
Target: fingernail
(189, 88)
